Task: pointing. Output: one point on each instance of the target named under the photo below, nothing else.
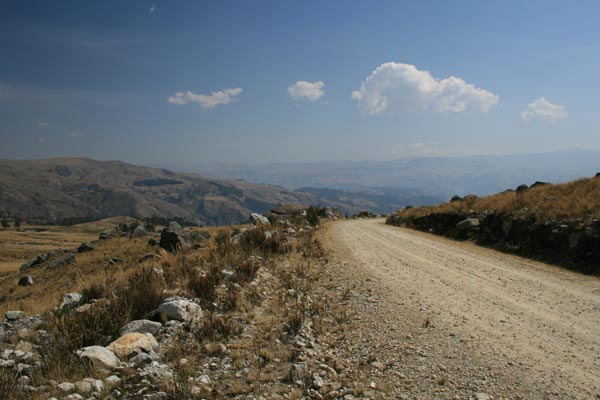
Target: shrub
(313, 216)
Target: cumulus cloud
(212, 100)
(543, 109)
(306, 91)
(393, 87)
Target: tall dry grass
(579, 199)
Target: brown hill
(63, 190)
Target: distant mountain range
(418, 178)
(79, 189)
(67, 190)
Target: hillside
(77, 189)
(555, 223)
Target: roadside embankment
(553, 223)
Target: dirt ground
(451, 320)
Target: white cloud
(394, 87)
(306, 91)
(43, 124)
(152, 8)
(543, 109)
(212, 100)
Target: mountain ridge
(64, 189)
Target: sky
(192, 82)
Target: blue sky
(277, 81)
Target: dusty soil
(444, 319)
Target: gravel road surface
(535, 328)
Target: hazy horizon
(268, 82)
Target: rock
(522, 188)
(180, 309)
(112, 381)
(455, 198)
(71, 300)
(174, 226)
(14, 315)
(482, 396)
(85, 247)
(99, 357)
(174, 238)
(144, 358)
(97, 385)
(62, 261)
(114, 261)
(286, 212)
(147, 256)
(468, 224)
(24, 369)
(139, 231)
(132, 343)
(259, 220)
(66, 387)
(538, 184)
(204, 379)
(298, 372)
(75, 396)
(83, 387)
(27, 280)
(141, 326)
(107, 234)
(32, 262)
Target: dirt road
(536, 325)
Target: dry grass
(257, 293)
(565, 202)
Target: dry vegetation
(565, 202)
(258, 293)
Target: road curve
(538, 315)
